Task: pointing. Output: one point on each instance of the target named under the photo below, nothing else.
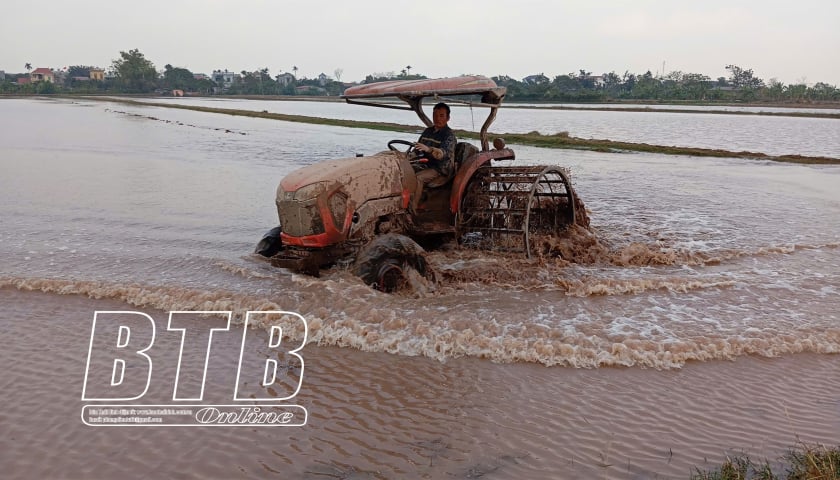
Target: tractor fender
(468, 169)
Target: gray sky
(799, 41)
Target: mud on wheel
(387, 262)
(505, 208)
(271, 243)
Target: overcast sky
(791, 41)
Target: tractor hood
(359, 178)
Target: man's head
(440, 115)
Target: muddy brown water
(698, 318)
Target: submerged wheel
(271, 243)
(388, 261)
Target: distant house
(97, 74)
(285, 79)
(2, 76)
(322, 79)
(223, 78)
(23, 80)
(535, 79)
(42, 75)
(200, 76)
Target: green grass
(559, 140)
(806, 462)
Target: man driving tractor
(437, 146)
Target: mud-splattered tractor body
(359, 211)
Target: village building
(224, 79)
(285, 79)
(535, 79)
(42, 75)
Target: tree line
(740, 86)
(133, 73)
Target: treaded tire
(385, 262)
(271, 243)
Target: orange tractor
(357, 211)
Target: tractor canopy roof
(437, 87)
(473, 90)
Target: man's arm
(445, 155)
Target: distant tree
(628, 81)
(28, 67)
(775, 89)
(515, 88)
(796, 93)
(379, 77)
(694, 86)
(612, 82)
(45, 87)
(176, 78)
(134, 73)
(566, 83)
(259, 82)
(646, 86)
(338, 72)
(823, 91)
(204, 85)
(743, 79)
(585, 79)
(408, 69)
(295, 69)
(78, 71)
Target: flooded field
(763, 134)
(700, 317)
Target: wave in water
(345, 313)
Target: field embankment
(559, 140)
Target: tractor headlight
(338, 208)
(310, 192)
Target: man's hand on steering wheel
(422, 148)
(409, 145)
(414, 151)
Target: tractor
(359, 212)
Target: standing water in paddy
(688, 261)
(689, 258)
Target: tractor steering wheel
(408, 151)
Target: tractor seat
(463, 151)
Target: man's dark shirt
(443, 139)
